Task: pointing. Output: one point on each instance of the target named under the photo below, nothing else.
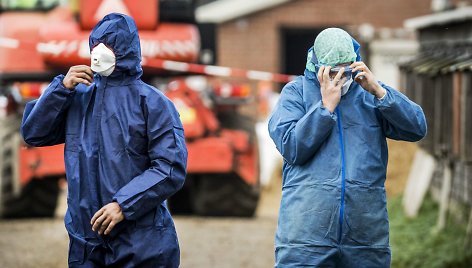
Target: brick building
(274, 35)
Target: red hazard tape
(212, 70)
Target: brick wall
(253, 42)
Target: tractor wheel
(225, 195)
(37, 199)
(181, 202)
(6, 186)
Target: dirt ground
(205, 242)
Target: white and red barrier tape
(216, 70)
(169, 65)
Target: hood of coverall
(119, 33)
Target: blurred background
(223, 63)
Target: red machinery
(36, 45)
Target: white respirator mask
(102, 60)
(345, 86)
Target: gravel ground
(204, 242)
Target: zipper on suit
(98, 117)
(343, 173)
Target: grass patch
(415, 243)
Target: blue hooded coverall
(333, 210)
(124, 142)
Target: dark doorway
(295, 43)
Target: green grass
(415, 243)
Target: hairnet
(334, 46)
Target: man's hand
(330, 88)
(78, 74)
(367, 80)
(106, 218)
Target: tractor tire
(6, 187)
(225, 195)
(181, 202)
(38, 198)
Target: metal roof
(442, 18)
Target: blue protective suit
(333, 210)
(124, 142)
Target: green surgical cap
(334, 46)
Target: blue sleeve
(44, 119)
(168, 154)
(298, 133)
(402, 119)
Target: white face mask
(102, 60)
(345, 86)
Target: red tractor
(40, 40)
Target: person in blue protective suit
(125, 153)
(331, 129)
